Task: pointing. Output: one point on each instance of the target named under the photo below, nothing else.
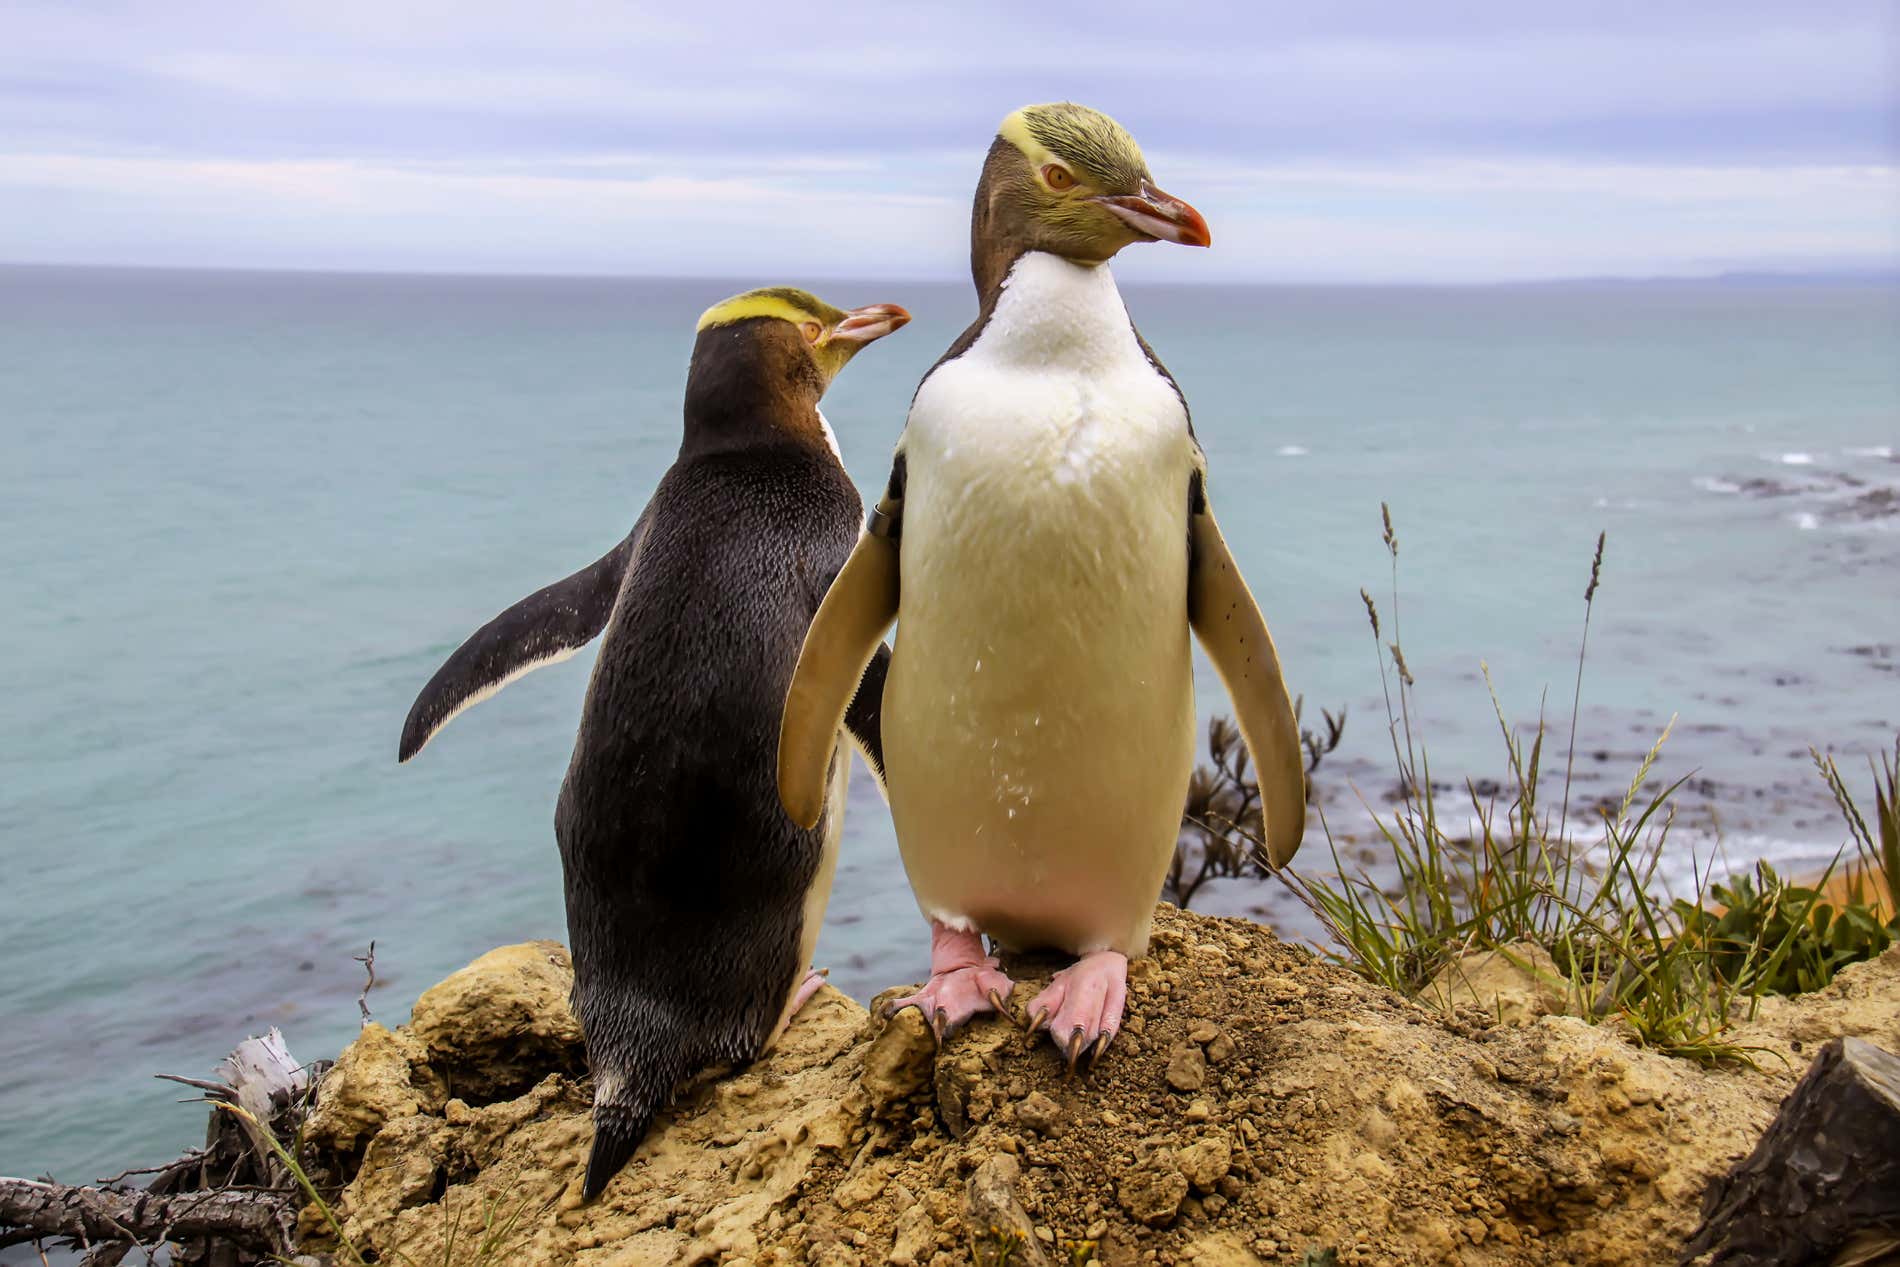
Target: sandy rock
(1343, 1116)
(916, 1235)
(1515, 985)
(1205, 1161)
(993, 1214)
(1187, 1068)
(1222, 1249)
(501, 1024)
(1153, 1190)
(900, 1061)
(1040, 1113)
(380, 1077)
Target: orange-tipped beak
(870, 323)
(1160, 216)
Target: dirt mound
(1258, 1104)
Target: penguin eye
(1058, 178)
(812, 330)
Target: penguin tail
(618, 1130)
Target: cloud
(584, 134)
(1421, 220)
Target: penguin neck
(1053, 310)
(760, 424)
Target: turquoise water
(246, 516)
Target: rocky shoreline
(1260, 1107)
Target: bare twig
(369, 966)
(191, 1158)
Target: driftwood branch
(231, 1201)
(258, 1220)
(1823, 1185)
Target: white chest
(1054, 398)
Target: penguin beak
(868, 324)
(1159, 216)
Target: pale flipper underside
(844, 635)
(1228, 622)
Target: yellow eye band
(756, 303)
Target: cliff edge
(1259, 1105)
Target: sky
(1367, 141)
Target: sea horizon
(259, 513)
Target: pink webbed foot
(1082, 1005)
(964, 982)
(814, 980)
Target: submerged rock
(1328, 1114)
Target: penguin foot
(814, 978)
(1082, 1005)
(964, 982)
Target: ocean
(247, 515)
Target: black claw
(1074, 1050)
(940, 1025)
(996, 1001)
(1040, 1019)
(1099, 1047)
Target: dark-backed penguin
(693, 902)
(1049, 507)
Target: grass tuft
(1492, 871)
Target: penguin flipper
(1224, 616)
(547, 626)
(843, 640)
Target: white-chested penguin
(693, 902)
(1048, 531)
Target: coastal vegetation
(1574, 901)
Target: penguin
(693, 902)
(1048, 535)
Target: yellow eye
(812, 330)
(1058, 178)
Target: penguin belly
(1039, 714)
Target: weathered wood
(1823, 1185)
(260, 1220)
(231, 1201)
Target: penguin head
(771, 353)
(1070, 180)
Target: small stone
(1203, 1032)
(1187, 1068)
(1198, 1111)
(990, 1204)
(900, 1061)
(1220, 1048)
(1205, 1161)
(1152, 1192)
(1039, 1113)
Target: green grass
(1878, 847)
(1491, 871)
